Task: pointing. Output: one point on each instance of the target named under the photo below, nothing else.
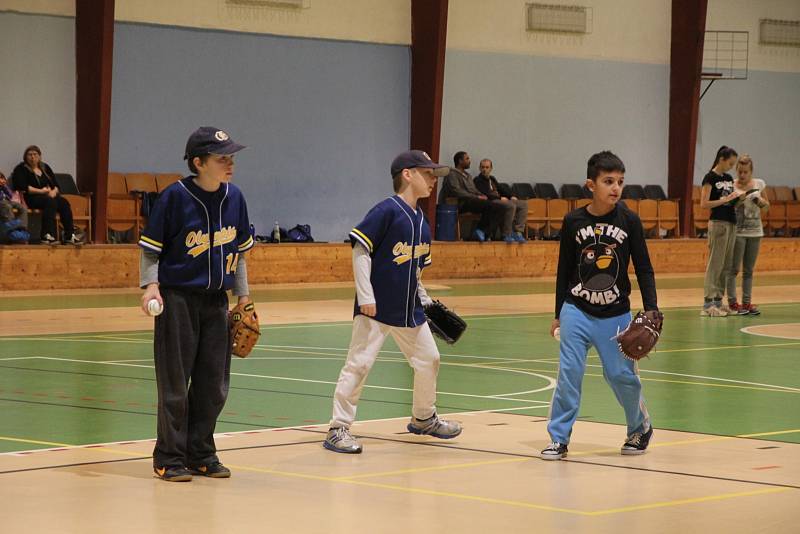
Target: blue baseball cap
(210, 140)
(411, 159)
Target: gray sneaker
(433, 426)
(341, 440)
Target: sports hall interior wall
(117, 266)
(540, 104)
(324, 116)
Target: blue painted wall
(759, 116)
(37, 91)
(322, 119)
(540, 118)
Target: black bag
(300, 234)
(146, 200)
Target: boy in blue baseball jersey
(192, 253)
(592, 305)
(391, 247)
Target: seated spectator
(515, 219)
(10, 201)
(458, 184)
(13, 215)
(36, 181)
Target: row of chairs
(659, 217)
(545, 216)
(125, 194)
(123, 200)
(575, 191)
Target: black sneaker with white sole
(554, 451)
(637, 443)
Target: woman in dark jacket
(35, 179)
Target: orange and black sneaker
(213, 470)
(173, 474)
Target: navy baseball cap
(411, 159)
(210, 140)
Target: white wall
(375, 21)
(622, 30)
(743, 15)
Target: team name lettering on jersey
(403, 251)
(198, 242)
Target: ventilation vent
(558, 19)
(290, 4)
(779, 32)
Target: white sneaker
(433, 426)
(341, 440)
(713, 311)
(48, 239)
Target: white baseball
(557, 333)
(154, 307)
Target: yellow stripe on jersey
(151, 241)
(365, 238)
(247, 244)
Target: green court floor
(706, 377)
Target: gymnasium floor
(77, 416)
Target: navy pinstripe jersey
(198, 235)
(398, 239)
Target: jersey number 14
(231, 260)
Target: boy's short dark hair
(191, 164)
(605, 161)
(458, 156)
(397, 181)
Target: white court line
(262, 430)
(788, 388)
(505, 360)
(501, 397)
(747, 330)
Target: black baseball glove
(443, 322)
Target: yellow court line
(410, 489)
(437, 468)
(776, 433)
(518, 504)
(679, 502)
(35, 441)
(72, 447)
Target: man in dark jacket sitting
(515, 211)
(458, 184)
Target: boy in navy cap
(391, 246)
(192, 253)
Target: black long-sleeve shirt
(593, 263)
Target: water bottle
(276, 233)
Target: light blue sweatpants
(579, 331)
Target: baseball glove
(244, 329)
(444, 322)
(641, 335)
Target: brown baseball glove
(244, 329)
(641, 336)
